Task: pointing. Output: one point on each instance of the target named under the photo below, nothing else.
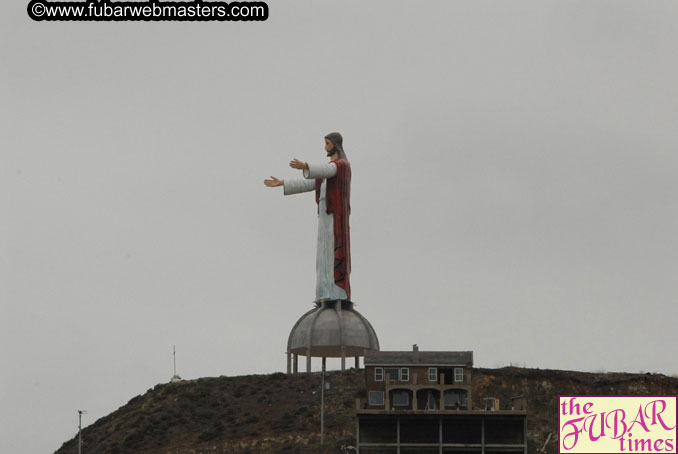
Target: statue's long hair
(337, 140)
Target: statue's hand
(273, 182)
(297, 164)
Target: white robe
(325, 288)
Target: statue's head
(333, 144)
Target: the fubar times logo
(617, 424)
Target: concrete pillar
(442, 399)
(440, 434)
(308, 360)
(322, 406)
(357, 435)
(289, 363)
(343, 357)
(295, 363)
(482, 435)
(357, 362)
(414, 399)
(398, 433)
(524, 435)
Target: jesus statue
(332, 185)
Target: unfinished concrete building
(421, 402)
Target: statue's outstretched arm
(291, 185)
(298, 185)
(307, 184)
(324, 170)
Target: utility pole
(322, 405)
(80, 413)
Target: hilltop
(279, 414)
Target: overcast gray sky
(514, 191)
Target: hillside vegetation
(280, 414)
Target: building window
(452, 399)
(458, 374)
(401, 399)
(392, 373)
(376, 398)
(456, 398)
(432, 374)
(378, 374)
(405, 374)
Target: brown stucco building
(418, 380)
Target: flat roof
(418, 358)
(461, 413)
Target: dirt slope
(280, 414)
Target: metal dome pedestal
(333, 329)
